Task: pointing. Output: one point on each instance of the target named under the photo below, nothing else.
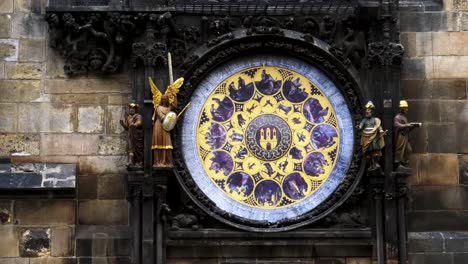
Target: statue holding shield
(164, 120)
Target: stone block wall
(435, 76)
(438, 247)
(48, 117)
(434, 82)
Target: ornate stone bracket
(385, 48)
(91, 42)
(385, 53)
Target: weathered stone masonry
(435, 83)
(46, 117)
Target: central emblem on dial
(268, 137)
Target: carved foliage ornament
(99, 42)
(385, 53)
(91, 42)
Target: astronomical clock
(263, 133)
(266, 139)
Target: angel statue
(163, 121)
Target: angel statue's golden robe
(161, 139)
(162, 144)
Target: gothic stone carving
(98, 42)
(385, 53)
(90, 41)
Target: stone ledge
(425, 242)
(363, 234)
(330, 250)
(39, 176)
(456, 242)
(437, 243)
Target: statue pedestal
(147, 197)
(389, 195)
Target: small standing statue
(402, 129)
(164, 120)
(134, 124)
(372, 140)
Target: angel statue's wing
(173, 90)
(156, 93)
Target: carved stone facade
(98, 42)
(66, 75)
(286, 43)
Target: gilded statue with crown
(372, 139)
(164, 120)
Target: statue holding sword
(164, 119)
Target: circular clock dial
(267, 137)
